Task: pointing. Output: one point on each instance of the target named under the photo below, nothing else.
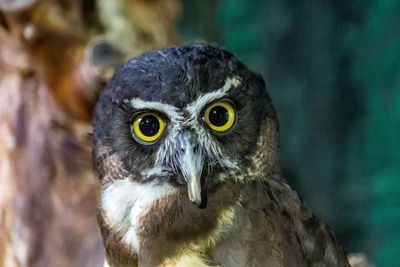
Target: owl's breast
(161, 225)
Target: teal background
(333, 71)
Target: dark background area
(333, 71)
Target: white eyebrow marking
(164, 159)
(197, 106)
(171, 111)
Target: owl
(186, 151)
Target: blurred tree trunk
(55, 55)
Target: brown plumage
(248, 215)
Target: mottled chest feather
(160, 225)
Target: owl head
(189, 118)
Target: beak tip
(196, 201)
(202, 205)
(200, 202)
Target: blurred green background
(333, 71)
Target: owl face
(187, 117)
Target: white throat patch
(124, 201)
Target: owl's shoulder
(274, 227)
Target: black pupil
(149, 125)
(218, 116)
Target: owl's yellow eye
(220, 116)
(147, 127)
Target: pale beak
(191, 165)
